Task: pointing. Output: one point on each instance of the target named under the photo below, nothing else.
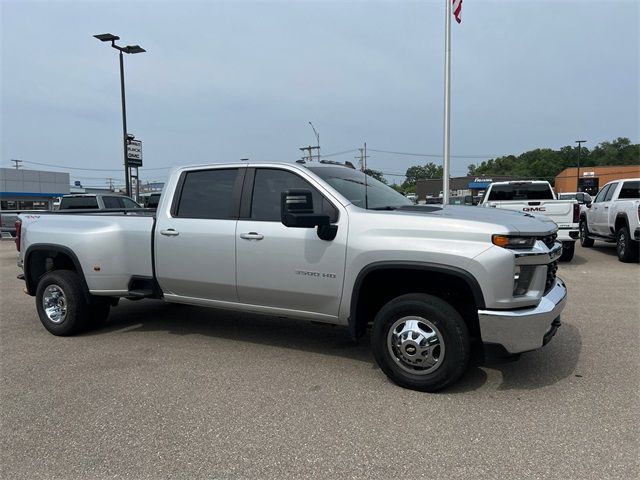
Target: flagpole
(447, 103)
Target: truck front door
(195, 251)
(287, 268)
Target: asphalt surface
(167, 391)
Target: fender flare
(32, 284)
(355, 328)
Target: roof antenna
(364, 163)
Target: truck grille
(549, 240)
(552, 268)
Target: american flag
(457, 9)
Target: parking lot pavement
(169, 391)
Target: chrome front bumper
(523, 330)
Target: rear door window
(630, 190)
(112, 202)
(72, 203)
(207, 194)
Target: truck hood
(518, 223)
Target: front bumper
(526, 329)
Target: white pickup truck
(538, 198)
(316, 242)
(614, 216)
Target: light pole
(317, 139)
(107, 37)
(579, 142)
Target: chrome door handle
(169, 233)
(251, 236)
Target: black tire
(452, 330)
(585, 240)
(568, 249)
(626, 247)
(77, 310)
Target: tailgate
(560, 211)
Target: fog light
(522, 279)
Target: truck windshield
(351, 184)
(68, 203)
(521, 191)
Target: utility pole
(17, 162)
(317, 139)
(110, 180)
(309, 150)
(362, 159)
(579, 142)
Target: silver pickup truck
(320, 242)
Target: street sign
(134, 153)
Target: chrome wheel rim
(622, 243)
(54, 304)
(416, 345)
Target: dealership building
(459, 186)
(591, 179)
(31, 189)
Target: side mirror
(580, 198)
(296, 211)
(588, 204)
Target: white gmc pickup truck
(316, 242)
(538, 198)
(614, 216)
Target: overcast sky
(227, 80)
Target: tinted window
(268, 187)
(112, 202)
(351, 185)
(610, 192)
(521, 191)
(207, 194)
(602, 193)
(153, 200)
(78, 202)
(630, 190)
(128, 203)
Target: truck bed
(112, 247)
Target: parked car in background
(150, 200)
(538, 198)
(614, 216)
(97, 201)
(582, 198)
(413, 197)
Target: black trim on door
(247, 193)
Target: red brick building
(591, 179)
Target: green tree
(378, 175)
(421, 172)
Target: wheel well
(41, 261)
(380, 286)
(621, 221)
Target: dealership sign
(134, 153)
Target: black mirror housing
(296, 211)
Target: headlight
(507, 241)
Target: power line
(431, 155)
(89, 169)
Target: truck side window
(112, 202)
(601, 194)
(611, 191)
(267, 188)
(207, 194)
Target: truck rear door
(195, 251)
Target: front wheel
(420, 342)
(585, 240)
(568, 249)
(626, 247)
